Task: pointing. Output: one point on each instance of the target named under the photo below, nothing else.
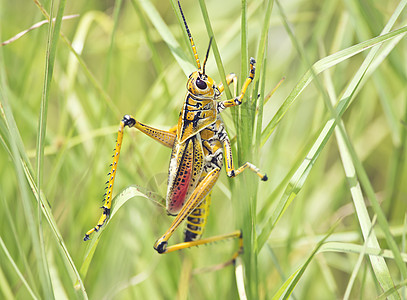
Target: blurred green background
(125, 64)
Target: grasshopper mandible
(199, 145)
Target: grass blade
(393, 290)
(302, 172)
(118, 201)
(239, 273)
(320, 66)
(343, 247)
(378, 264)
(167, 36)
(20, 275)
(53, 34)
(287, 288)
(261, 63)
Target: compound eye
(201, 84)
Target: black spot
(106, 211)
(189, 236)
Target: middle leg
(230, 169)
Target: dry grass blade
(35, 26)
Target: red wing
(184, 172)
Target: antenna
(206, 56)
(190, 38)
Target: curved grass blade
(298, 179)
(343, 247)
(362, 173)
(392, 290)
(378, 264)
(320, 66)
(20, 252)
(46, 210)
(239, 273)
(287, 288)
(380, 269)
(20, 275)
(155, 57)
(24, 173)
(35, 26)
(128, 193)
(167, 36)
(84, 24)
(302, 172)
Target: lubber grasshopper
(199, 144)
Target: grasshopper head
(202, 86)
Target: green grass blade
(320, 66)
(397, 166)
(383, 273)
(239, 273)
(20, 275)
(31, 221)
(118, 201)
(300, 176)
(244, 45)
(53, 34)
(26, 265)
(381, 268)
(15, 148)
(364, 178)
(365, 182)
(24, 173)
(116, 15)
(167, 36)
(261, 63)
(155, 55)
(378, 264)
(287, 288)
(46, 210)
(298, 179)
(393, 290)
(263, 214)
(83, 27)
(5, 288)
(343, 247)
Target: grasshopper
(199, 145)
